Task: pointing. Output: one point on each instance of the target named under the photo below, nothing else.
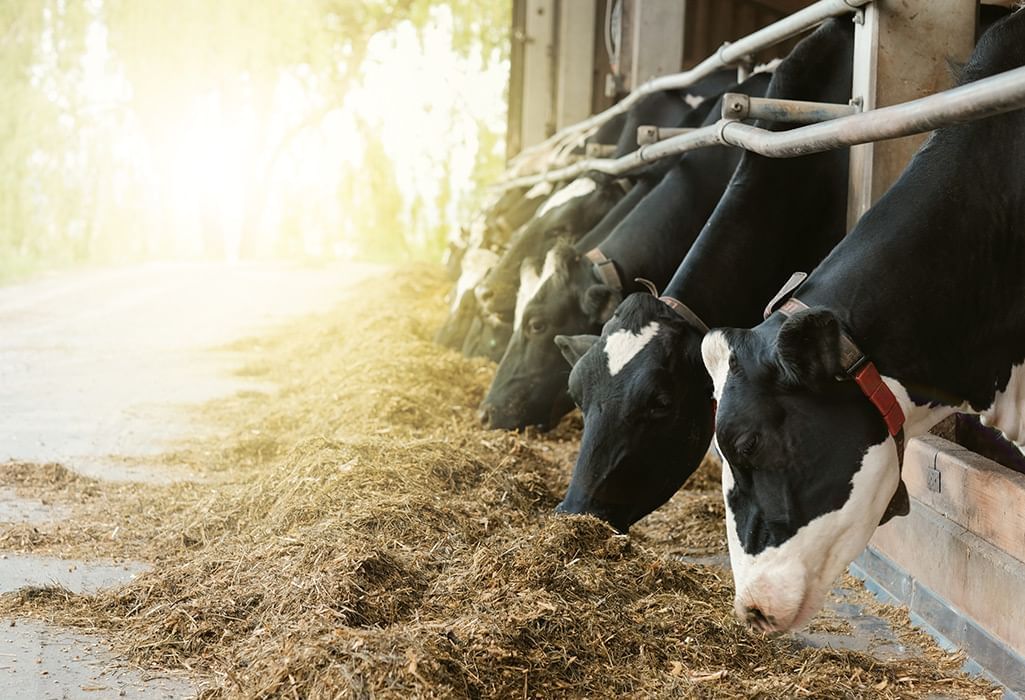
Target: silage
(363, 537)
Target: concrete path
(99, 363)
(98, 366)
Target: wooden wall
(710, 23)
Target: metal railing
(729, 55)
(987, 97)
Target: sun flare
(305, 130)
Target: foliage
(143, 128)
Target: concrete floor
(98, 366)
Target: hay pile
(360, 536)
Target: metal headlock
(990, 96)
(729, 55)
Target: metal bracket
(600, 150)
(934, 479)
(653, 134)
(737, 105)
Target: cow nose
(485, 294)
(484, 414)
(755, 618)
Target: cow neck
(618, 212)
(746, 250)
(929, 281)
(652, 240)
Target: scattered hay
(364, 538)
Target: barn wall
(710, 23)
(558, 72)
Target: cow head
(647, 405)
(530, 385)
(809, 469)
(487, 338)
(568, 213)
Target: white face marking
(788, 583)
(541, 189)
(715, 351)
(530, 282)
(578, 188)
(476, 263)
(623, 345)
(693, 100)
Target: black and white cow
(474, 256)
(642, 387)
(581, 285)
(490, 328)
(918, 313)
(570, 212)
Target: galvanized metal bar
(651, 134)
(984, 98)
(599, 150)
(697, 138)
(737, 105)
(728, 55)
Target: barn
(957, 559)
(704, 378)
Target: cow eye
(660, 405)
(748, 446)
(536, 326)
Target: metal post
(656, 38)
(537, 120)
(575, 61)
(901, 49)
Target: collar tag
(788, 288)
(605, 269)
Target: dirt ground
(350, 531)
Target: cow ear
(808, 347)
(599, 302)
(573, 347)
(715, 353)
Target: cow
(571, 212)
(918, 313)
(580, 286)
(643, 389)
(489, 233)
(488, 337)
